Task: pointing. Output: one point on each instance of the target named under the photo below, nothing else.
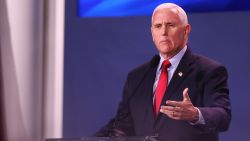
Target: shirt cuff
(200, 120)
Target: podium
(144, 138)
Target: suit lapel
(149, 94)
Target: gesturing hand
(181, 110)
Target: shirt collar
(175, 60)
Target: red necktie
(161, 87)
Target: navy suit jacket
(208, 90)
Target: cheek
(156, 38)
(153, 37)
(181, 34)
(178, 37)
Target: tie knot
(166, 64)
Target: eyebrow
(168, 22)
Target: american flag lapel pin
(180, 74)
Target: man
(178, 95)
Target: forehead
(166, 15)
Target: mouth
(164, 41)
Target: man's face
(169, 32)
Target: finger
(185, 95)
(177, 110)
(170, 114)
(166, 112)
(167, 108)
(174, 103)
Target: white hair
(182, 14)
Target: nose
(164, 31)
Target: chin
(165, 49)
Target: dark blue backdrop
(100, 52)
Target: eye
(157, 26)
(171, 25)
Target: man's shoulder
(142, 69)
(206, 63)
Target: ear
(186, 32)
(187, 29)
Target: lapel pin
(180, 74)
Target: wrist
(195, 115)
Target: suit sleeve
(216, 108)
(122, 123)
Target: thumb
(185, 95)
